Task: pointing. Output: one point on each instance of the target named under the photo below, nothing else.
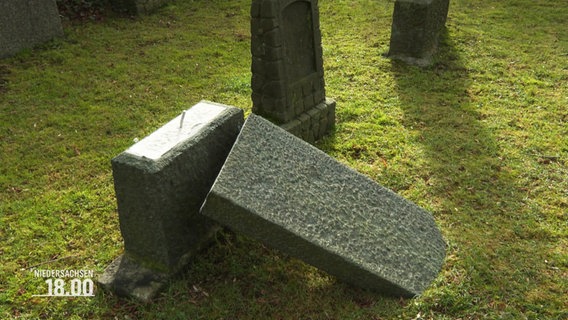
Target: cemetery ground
(480, 139)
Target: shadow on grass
(476, 199)
(239, 278)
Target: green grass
(480, 139)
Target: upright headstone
(416, 29)
(160, 184)
(287, 67)
(137, 6)
(27, 23)
(286, 193)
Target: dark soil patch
(83, 10)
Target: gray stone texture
(159, 196)
(286, 193)
(287, 65)
(416, 28)
(128, 278)
(138, 6)
(159, 200)
(27, 23)
(312, 125)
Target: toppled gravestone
(287, 67)
(282, 191)
(416, 29)
(160, 184)
(27, 23)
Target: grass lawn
(480, 139)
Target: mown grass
(480, 139)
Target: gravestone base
(416, 28)
(314, 124)
(129, 278)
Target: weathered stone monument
(137, 6)
(27, 23)
(416, 29)
(286, 193)
(287, 67)
(160, 184)
(262, 180)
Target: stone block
(257, 82)
(269, 24)
(274, 88)
(313, 124)
(309, 101)
(288, 194)
(273, 38)
(25, 24)
(273, 53)
(255, 9)
(315, 116)
(268, 9)
(416, 29)
(331, 105)
(293, 127)
(323, 126)
(298, 104)
(274, 70)
(319, 96)
(160, 184)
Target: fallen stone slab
(160, 184)
(289, 195)
(138, 7)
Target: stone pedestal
(160, 184)
(416, 28)
(27, 23)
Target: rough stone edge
(156, 165)
(127, 278)
(152, 166)
(317, 129)
(326, 260)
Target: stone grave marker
(287, 67)
(25, 24)
(416, 29)
(286, 193)
(160, 184)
